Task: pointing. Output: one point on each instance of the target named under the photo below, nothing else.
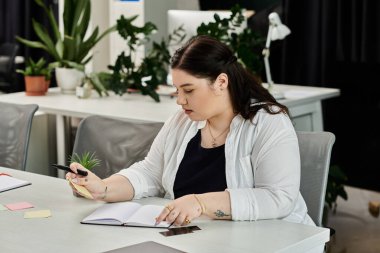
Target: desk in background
(63, 232)
(304, 104)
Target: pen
(67, 168)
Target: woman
(230, 153)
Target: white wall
(188, 4)
(99, 11)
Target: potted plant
(70, 50)
(87, 160)
(36, 76)
(126, 75)
(97, 81)
(334, 189)
(246, 44)
(84, 90)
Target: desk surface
(138, 107)
(63, 233)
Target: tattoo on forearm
(220, 213)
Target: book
(148, 246)
(8, 183)
(126, 214)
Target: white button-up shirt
(262, 166)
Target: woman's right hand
(91, 182)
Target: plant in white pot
(71, 50)
(68, 78)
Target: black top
(201, 169)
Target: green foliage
(98, 81)
(335, 186)
(72, 47)
(87, 160)
(154, 67)
(247, 44)
(38, 68)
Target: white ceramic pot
(68, 79)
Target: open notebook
(8, 183)
(126, 214)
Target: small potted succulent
(37, 77)
(97, 81)
(85, 89)
(86, 159)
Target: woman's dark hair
(206, 57)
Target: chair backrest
(117, 143)
(315, 151)
(15, 127)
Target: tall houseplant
(72, 48)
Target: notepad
(19, 206)
(8, 183)
(37, 214)
(81, 190)
(126, 214)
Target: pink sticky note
(19, 206)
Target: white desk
(63, 233)
(303, 102)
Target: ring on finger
(187, 221)
(169, 208)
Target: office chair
(15, 127)
(117, 143)
(8, 52)
(315, 151)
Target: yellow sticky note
(82, 190)
(37, 214)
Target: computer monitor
(190, 20)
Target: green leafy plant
(98, 81)
(87, 160)
(246, 44)
(153, 70)
(73, 47)
(335, 186)
(39, 68)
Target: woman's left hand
(181, 211)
